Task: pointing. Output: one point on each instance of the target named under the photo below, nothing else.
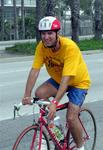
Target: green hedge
(24, 48)
(91, 44)
(29, 47)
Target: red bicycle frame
(68, 142)
(43, 122)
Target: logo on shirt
(54, 63)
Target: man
(68, 74)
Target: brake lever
(14, 113)
(16, 110)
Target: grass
(29, 47)
(22, 48)
(91, 44)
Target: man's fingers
(52, 111)
(51, 115)
(26, 101)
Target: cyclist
(68, 74)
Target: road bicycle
(39, 136)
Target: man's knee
(72, 118)
(39, 93)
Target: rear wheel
(29, 140)
(89, 128)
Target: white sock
(81, 148)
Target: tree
(98, 19)
(40, 12)
(75, 19)
(7, 30)
(29, 28)
(86, 5)
(15, 21)
(50, 8)
(2, 20)
(23, 19)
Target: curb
(92, 52)
(15, 58)
(5, 57)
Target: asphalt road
(13, 74)
(10, 129)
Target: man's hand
(52, 111)
(26, 101)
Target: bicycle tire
(24, 140)
(89, 124)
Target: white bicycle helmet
(49, 23)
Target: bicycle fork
(34, 137)
(33, 140)
(40, 138)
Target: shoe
(81, 148)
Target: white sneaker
(81, 148)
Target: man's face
(48, 38)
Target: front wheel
(89, 128)
(29, 140)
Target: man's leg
(46, 90)
(74, 124)
(76, 97)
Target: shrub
(23, 48)
(29, 47)
(91, 44)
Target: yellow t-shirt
(67, 61)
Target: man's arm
(61, 91)
(63, 87)
(33, 75)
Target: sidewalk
(8, 57)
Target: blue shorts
(75, 95)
